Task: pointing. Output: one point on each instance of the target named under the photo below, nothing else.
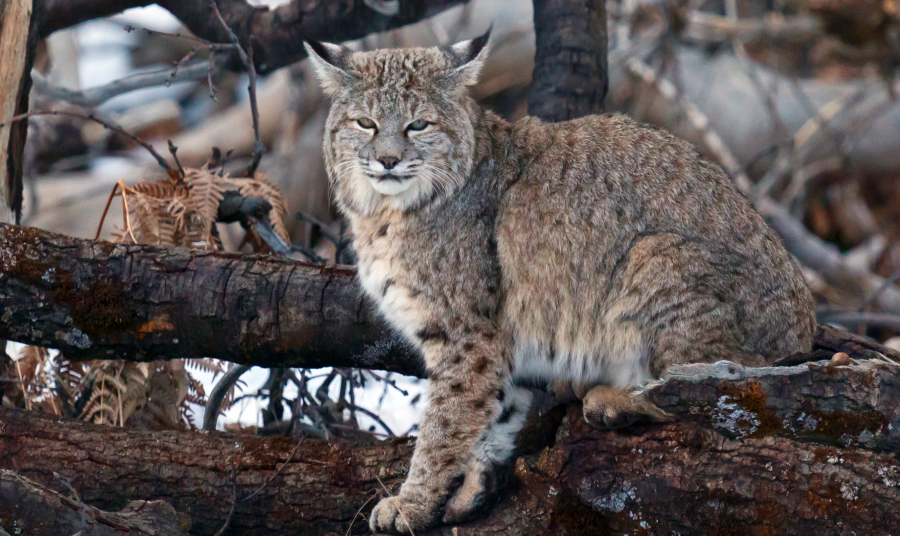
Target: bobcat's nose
(389, 162)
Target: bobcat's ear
(329, 62)
(469, 58)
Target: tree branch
(780, 450)
(278, 34)
(97, 300)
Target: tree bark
(277, 34)
(98, 300)
(808, 449)
(34, 509)
(15, 20)
(570, 76)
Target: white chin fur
(391, 187)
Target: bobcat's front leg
(467, 373)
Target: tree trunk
(808, 449)
(15, 20)
(570, 76)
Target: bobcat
(594, 253)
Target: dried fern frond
(206, 191)
(176, 210)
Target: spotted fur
(594, 252)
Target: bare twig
(374, 417)
(247, 59)
(91, 98)
(174, 152)
(107, 124)
(851, 318)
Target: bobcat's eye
(366, 123)
(418, 124)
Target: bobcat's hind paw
(607, 407)
(399, 515)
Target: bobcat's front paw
(400, 515)
(478, 491)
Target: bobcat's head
(400, 132)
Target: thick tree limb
(784, 450)
(96, 300)
(277, 34)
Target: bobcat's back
(621, 247)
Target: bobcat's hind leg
(610, 407)
(487, 468)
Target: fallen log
(98, 300)
(807, 449)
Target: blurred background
(796, 99)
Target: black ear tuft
(478, 43)
(324, 52)
(468, 57)
(329, 62)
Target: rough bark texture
(17, 58)
(277, 34)
(570, 76)
(809, 449)
(96, 300)
(30, 508)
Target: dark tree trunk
(808, 449)
(570, 76)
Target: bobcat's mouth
(391, 177)
(390, 184)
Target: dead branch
(104, 122)
(97, 300)
(719, 87)
(707, 27)
(277, 34)
(15, 16)
(781, 450)
(91, 98)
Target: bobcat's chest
(384, 277)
